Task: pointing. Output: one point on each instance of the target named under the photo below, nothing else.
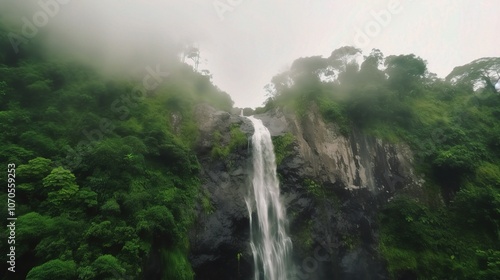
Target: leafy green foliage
(479, 208)
(489, 263)
(104, 171)
(457, 158)
(314, 188)
(107, 266)
(421, 245)
(60, 185)
(405, 72)
(105, 174)
(426, 243)
(453, 131)
(55, 269)
(483, 71)
(237, 140)
(178, 267)
(283, 146)
(156, 220)
(36, 169)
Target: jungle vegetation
(451, 229)
(107, 177)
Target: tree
(483, 73)
(343, 56)
(38, 142)
(36, 169)
(33, 228)
(30, 179)
(308, 66)
(157, 221)
(192, 53)
(106, 266)
(279, 83)
(459, 158)
(369, 72)
(101, 233)
(479, 209)
(54, 269)
(344, 63)
(87, 198)
(61, 185)
(405, 72)
(489, 263)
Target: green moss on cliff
(237, 140)
(105, 168)
(453, 132)
(283, 146)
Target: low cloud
(114, 35)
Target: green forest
(103, 180)
(451, 229)
(106, 181)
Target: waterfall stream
(271, 246)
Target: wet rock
(333, 187)
(221, 232)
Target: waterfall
(271, 246)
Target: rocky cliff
(333, 187)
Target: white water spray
(271, 246)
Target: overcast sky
(244, 43)
(261, 38)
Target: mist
(115, 36)
(250, 139)
(245, 43)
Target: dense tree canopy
(483, 73)
(450, 231)
(106, 169)
(103, 170)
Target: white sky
(257, 39)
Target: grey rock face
(221, 233)
(333, 187)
